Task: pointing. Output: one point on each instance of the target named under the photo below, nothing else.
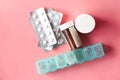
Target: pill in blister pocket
(54, 16)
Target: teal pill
(89, 53)
(98, 50)
(51, 62)
(70, 58)
(80, 57)
(61, 61)
(42, 67)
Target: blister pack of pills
(46, 25)
(55, 19)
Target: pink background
(18, 41)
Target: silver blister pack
(46, 25)
(43, 28)
(55, 19)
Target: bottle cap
(85, 23)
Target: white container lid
(66, 25)
(85, 23)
